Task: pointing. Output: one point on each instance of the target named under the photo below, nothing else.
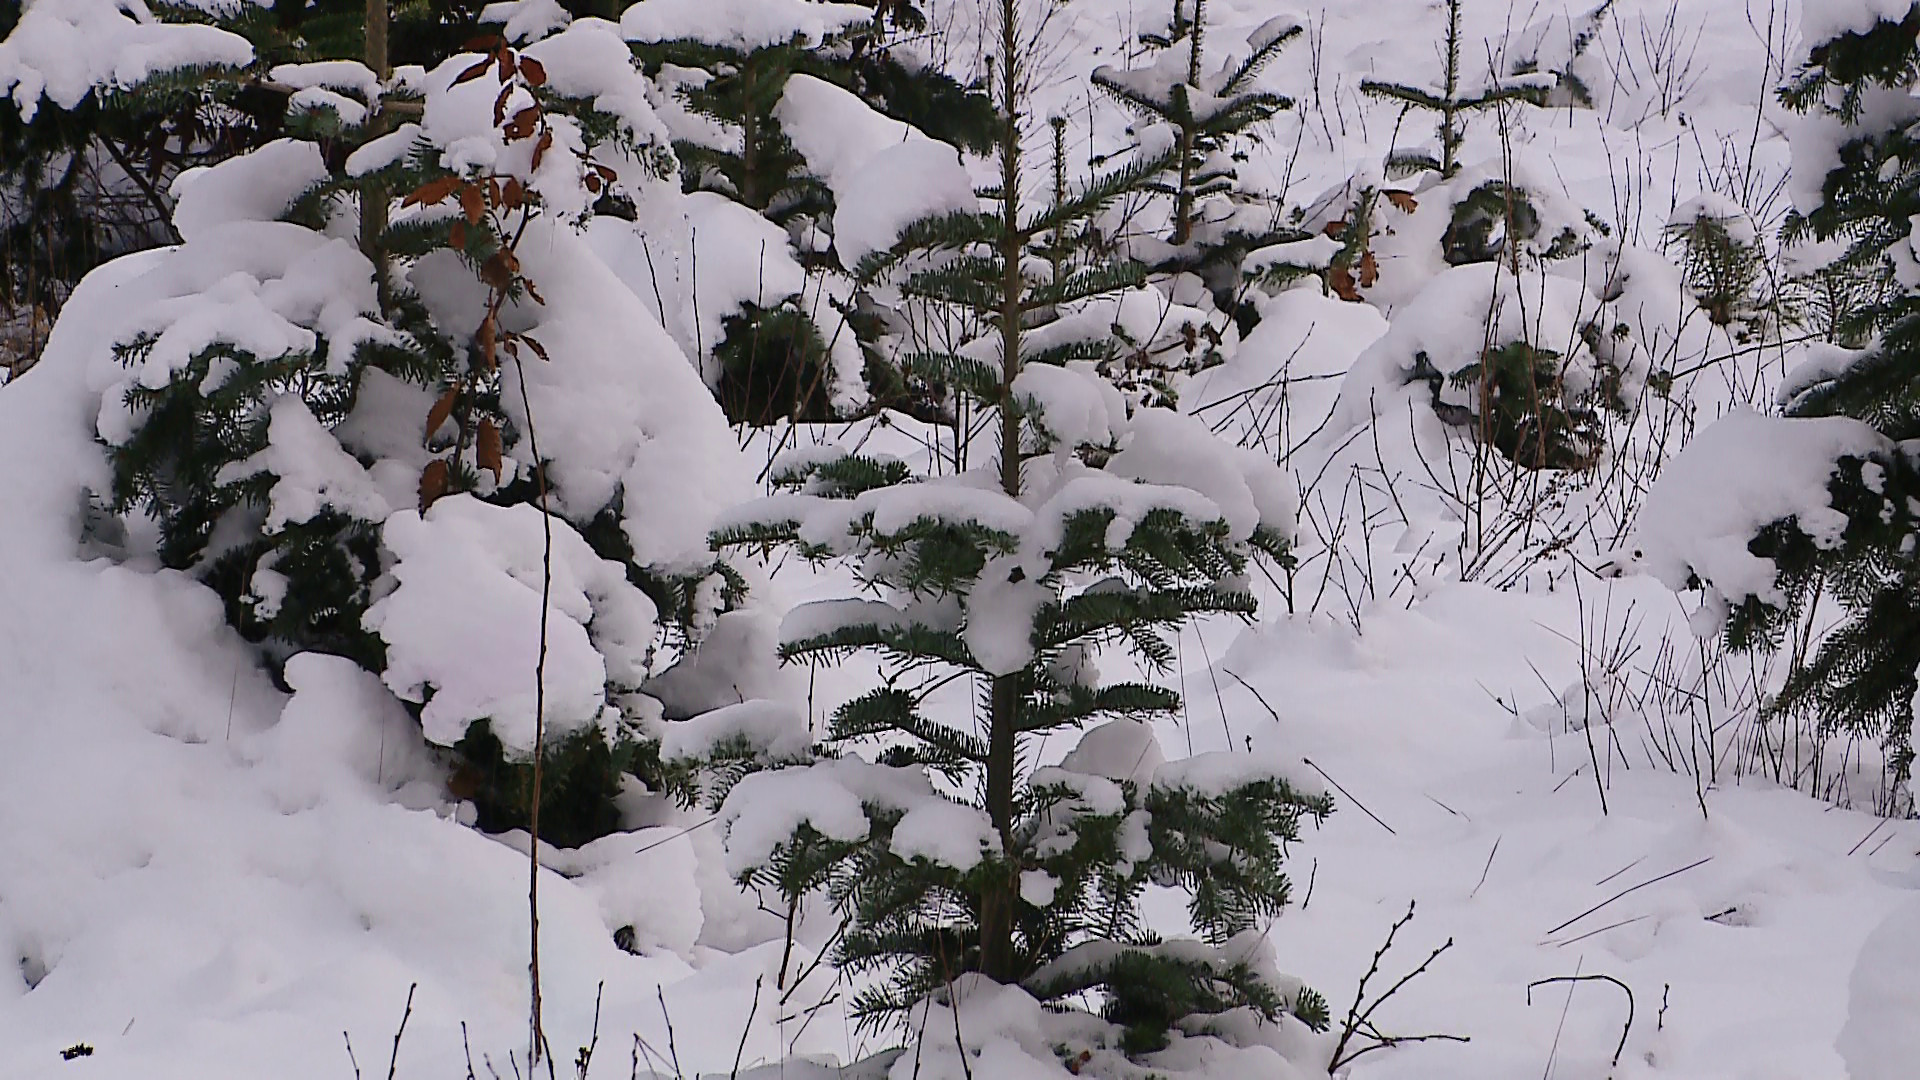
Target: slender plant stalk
(373, 198)
(997, 902)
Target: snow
(946, 834)
(389, 149)
(1744, 472)
(1001, 611)
(462, 626)
(257, 187)
(639, 423)
(588, 60)
(742, 25)
(1829, 19)
(884, 174)
(63, 50)
(214, 869)
(1123, 749)
(1249, 490)
(526, 20)
(763, 809)
(348, 76)
(773, 728)
(311, 472)
(1212, 775)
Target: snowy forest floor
(192, 889)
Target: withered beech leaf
(441, 410)
(432, 192)
(433, 482)
(474, 72)
(487, 449)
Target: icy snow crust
(205, 871)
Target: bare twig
(585, 1059)
(1349, 795)
(746, 1029)
(393, 1060)
(1621, 1047)
(1359, 1019)
(1625, 891)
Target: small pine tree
(1453, 101)
(278, 463)
(1207, 110)
(1862, 677)
(1090, 529)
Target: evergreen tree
(731, 75)
(280, 431)
(1857, 90)
(1096, 525)
(1207, 112)
(1453, 101)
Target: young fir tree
(1208, 113)
(729, 67)
(1857, 88)
(1094, 525)
(1453, 102)
(280, 428)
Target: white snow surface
(742, 25)
(204, 868)
(884, 174)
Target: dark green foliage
(190, 460)
(1861, 678)
(916, 924)
(773, 366)
(580, 780)
(1524, 410)
(1212, 113)
(1571, 89)
(1723, 271)
(1486, 221)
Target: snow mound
(1742, 473)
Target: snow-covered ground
(204, 876)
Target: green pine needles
(1099, 525)
(1452, 102)
(1861, 677)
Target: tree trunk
(373, 198)
(997, 906)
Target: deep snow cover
(206, 874)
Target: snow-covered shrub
(1096, 524)
(424, 451)
(1721, 253)
(773, 104)
(1766, 512)
(1192, 123)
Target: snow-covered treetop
(62, 50)
(740, 25)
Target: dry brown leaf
(433, 482)
(487, 449)
(442, 409)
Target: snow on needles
(1742, 473)
(65, 49)
(463, 626)
(885, 174)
